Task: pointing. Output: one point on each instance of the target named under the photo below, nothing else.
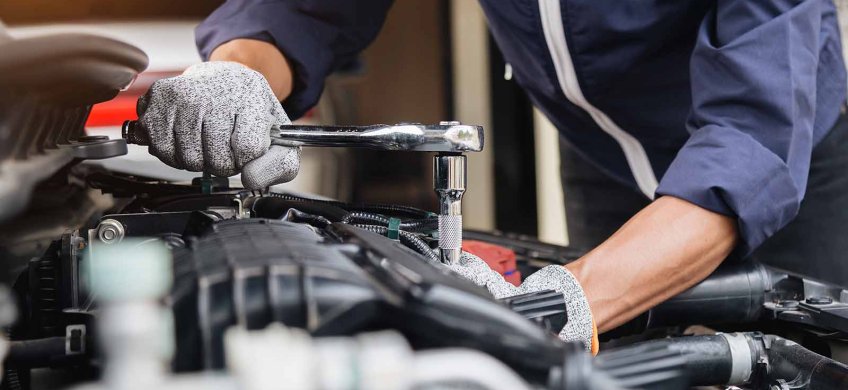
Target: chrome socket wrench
(413, 137)
(448, 139)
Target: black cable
(295, 215)
(402, 211)
(409, 239)
(370, 221)
(420, 225)
(358, 217)
(410, 225)
(214, 214)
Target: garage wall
(51, 11)
(401, 77)
(471, 90)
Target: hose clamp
(741, 358)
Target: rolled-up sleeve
(753, 77)
(316, 36)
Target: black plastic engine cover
(338, 281)
(254, 272)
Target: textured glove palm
(553, 277)
(216, 117)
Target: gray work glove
(216, 117)
(553, 277)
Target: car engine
(121, 281)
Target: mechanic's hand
(216, 117)
(580, 326)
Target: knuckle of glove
(246, 98)
(279, 165)
(221, 111)
(478, 272)
(157, 114)
(250, 136)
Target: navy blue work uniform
(718, 102)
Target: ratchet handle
(446, 137)
(134, 134)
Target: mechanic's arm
(262, 57)
(666, 248)
(216, 116)
(312, 38)
(754, 73)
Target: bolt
(819, 300)
(110, 231)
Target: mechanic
(726, 101)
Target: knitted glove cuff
(553, 277)
(556, 277)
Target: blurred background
(434, 60)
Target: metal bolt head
(110, 231)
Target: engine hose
(707, 359)
(402, 211)
(409, 239)
(733, 359)
(38, 352)
(734, 293)
(790, 362)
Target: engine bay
(249, 260)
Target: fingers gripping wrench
(448, 139)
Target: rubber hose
(734, 293)
(36, 353)
(789, 361)
(707, 359)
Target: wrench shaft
(401, 137)
(450, 137)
